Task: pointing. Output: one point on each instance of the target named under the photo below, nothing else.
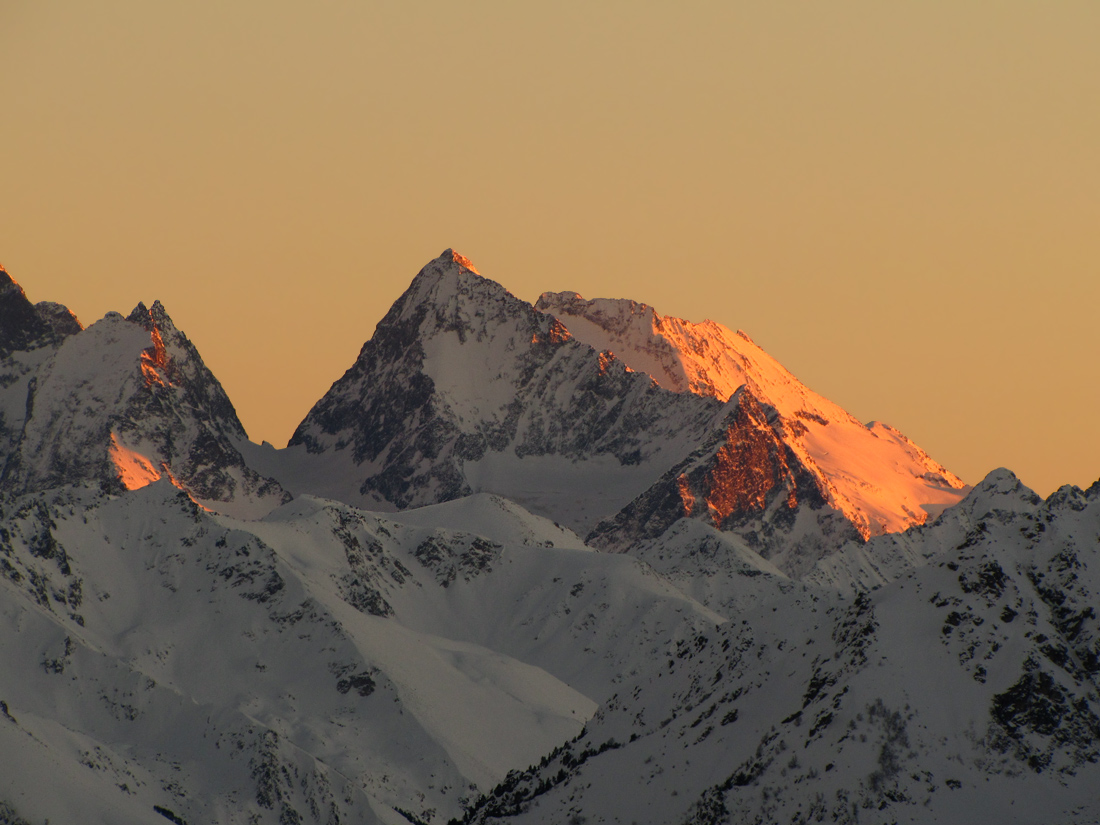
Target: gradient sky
(899, 201)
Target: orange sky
(900, 201)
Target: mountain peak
(709, 359)
(8, 285)
(1003, 481)
(129, 401)
(461, 260)
(154, 320)
(449, 267)
(449, 293)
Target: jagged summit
(462, 261)
(324, 663)
(149, 318)
(449, 266)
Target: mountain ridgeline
(609, 418)
(573, 561)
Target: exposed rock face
(27, 326)
(29, 334)
(745, 480)
(20, 325)
(58, 318)
(129, 401)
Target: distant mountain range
(573, 561)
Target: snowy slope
(468, 570)
(320, 660)
(878, 478)
(966, 691)
(495, 518)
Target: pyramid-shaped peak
(449, 267)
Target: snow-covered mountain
(465, 388)
(880, 480)
(431, 631)
(124, 402)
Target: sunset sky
(899, 201)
